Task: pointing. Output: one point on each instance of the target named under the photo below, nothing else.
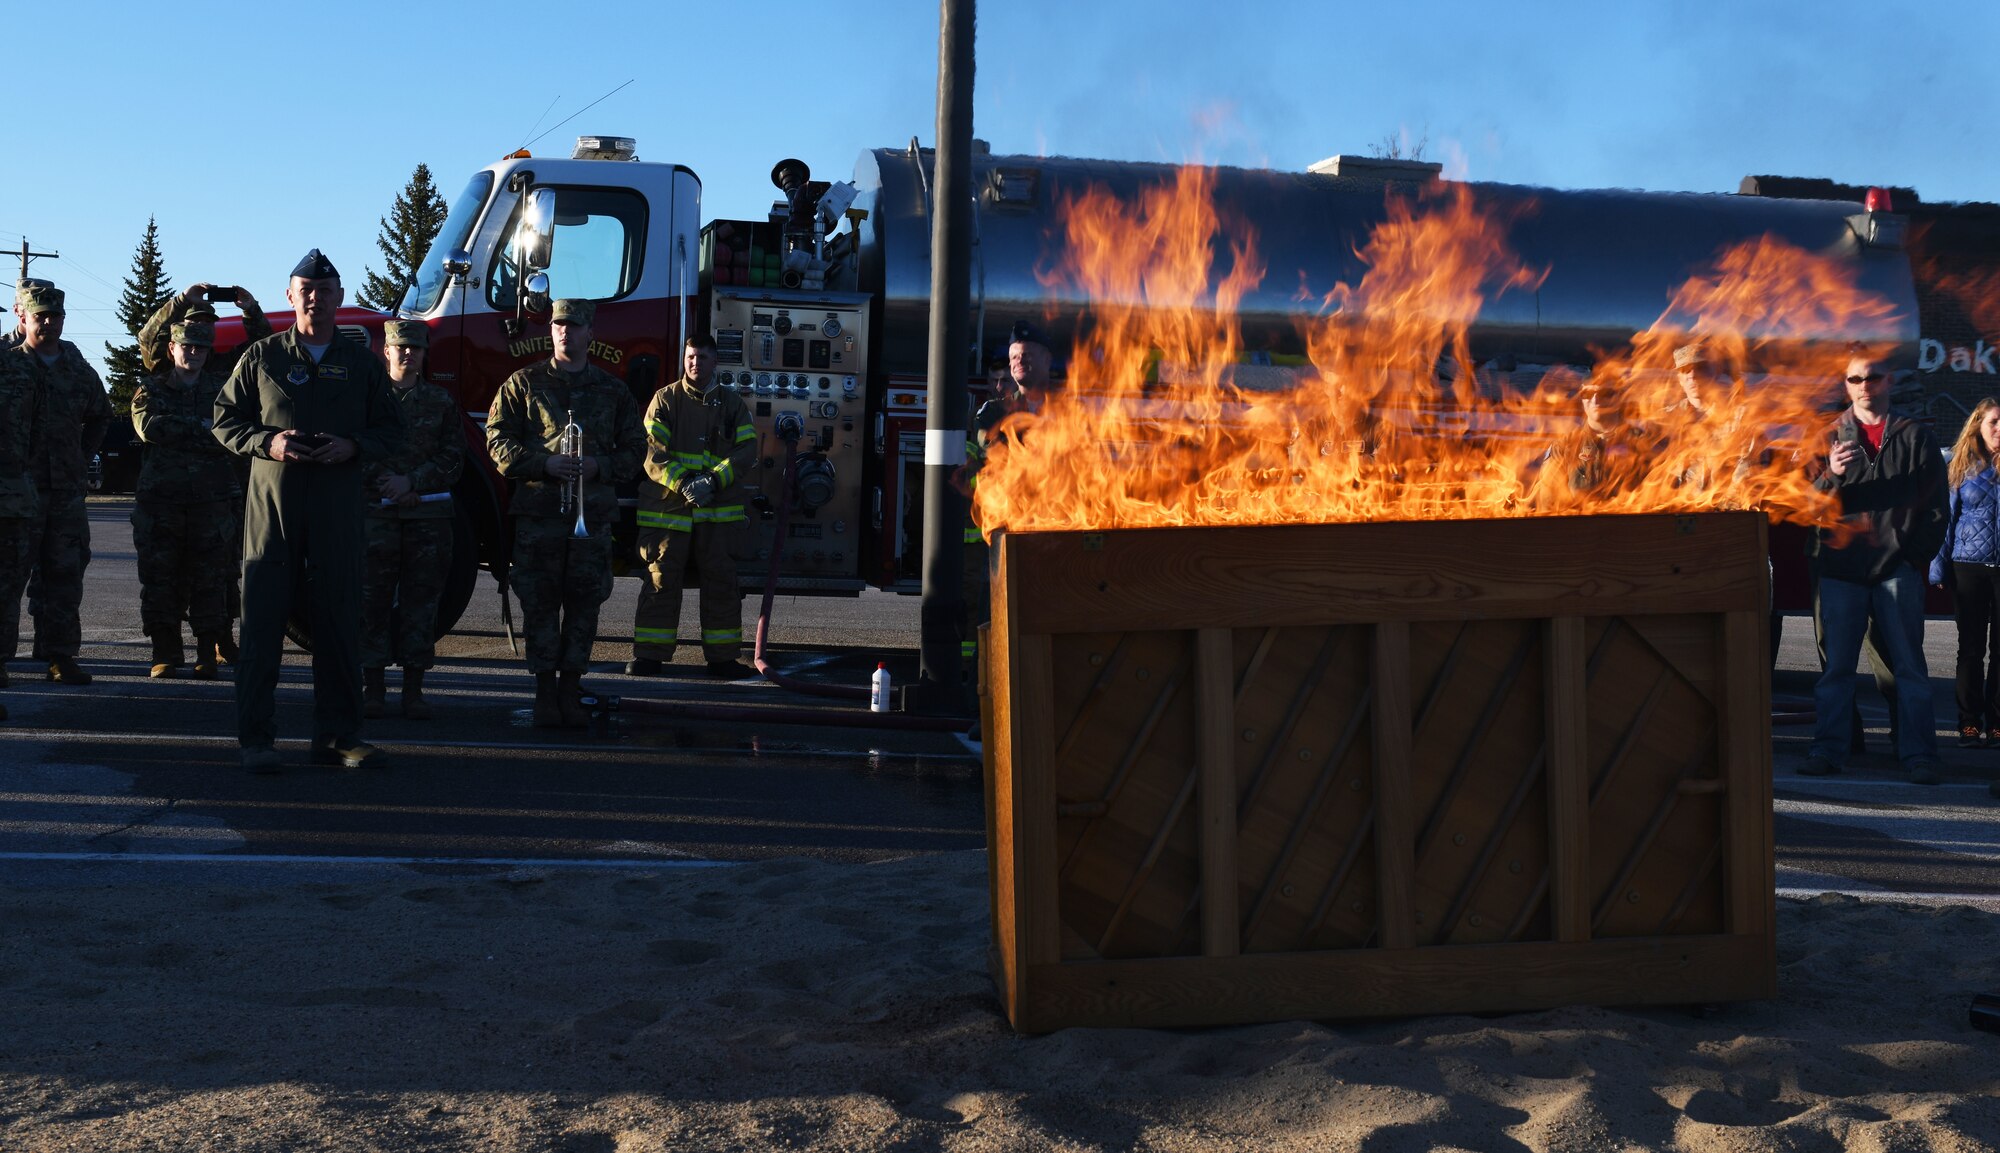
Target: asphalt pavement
(134, 773)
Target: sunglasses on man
(1871, 378)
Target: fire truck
(820, 310)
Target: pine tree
(414, 221)
(146, 289)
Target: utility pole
(26, 253)
(940, 687)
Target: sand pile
(795, 1005)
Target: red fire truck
(820, 310)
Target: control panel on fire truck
(799, 361)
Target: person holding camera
(564, 502)
(408, 501)
(75, 411)
(309, 408)
(187, 506)
(195, 304)
(699, 440)
(1890, 480)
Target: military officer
(310, 409)
(562, 577)
(186, 507)
(21, 290)
(408, 500)
(74, 412)
(699, 441)
(1020, 389)
(20, 431)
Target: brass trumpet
(572, 489)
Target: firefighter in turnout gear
(561, 576)
(408, 499)
(186, 513)
(75, 411)
(699, 441)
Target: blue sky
(255, 133)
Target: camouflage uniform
(562, 580)
(302, 533)
(689, 433)
(154, 336)
(74, 413)
(409, 545)
(186, 511)
(19, 502)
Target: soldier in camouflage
(409, 527)
(21, 289)
(563, 578)
(75, 411)
(195, 304)
(20, 433)
(699, 441)
(186, 510)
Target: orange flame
(1159, 424)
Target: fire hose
(785, 714)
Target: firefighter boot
(167, 654)
(548, 715)
(415, 706)
(225, 647)
(374, 693)
(569, 698)
(207, 666)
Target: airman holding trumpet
(564, 502)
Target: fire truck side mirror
(535, 295)
(536, 237)
(457, 262)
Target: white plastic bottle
(878, 689)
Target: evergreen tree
(146, 289)
(414, 221)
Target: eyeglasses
(1600, 395)
(1871, 378)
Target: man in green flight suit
(409, 507)
(187, 507)
(699, 441)
(562, 577)
(310, 408)
(75, 411)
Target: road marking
(294, 859)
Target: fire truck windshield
(424, 292)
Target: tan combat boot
(415, 706)
(548, 714)
(569, 698)
(206, 666)
(167, 654)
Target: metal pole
(940, 686)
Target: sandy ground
(796, 1005)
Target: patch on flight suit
(299, 374)
(332, 372)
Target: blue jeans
(1897, 605)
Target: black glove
(699, 489)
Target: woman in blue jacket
(1970, 564)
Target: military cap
(28, 283)
(1689, 355)
(1025, 332)
(202, 311)
(570, 310)
(192, 332)
(406, 334)
(313, 266)
(42, 297)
